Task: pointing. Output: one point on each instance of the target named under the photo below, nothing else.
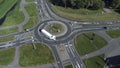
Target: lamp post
(34, 46)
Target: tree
(115, 4)
(98, 5)
(76, 4)
(64, 1)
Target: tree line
(88, 4)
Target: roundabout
(56, 28)
(61, 30)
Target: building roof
(113, 62)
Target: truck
(47, 34)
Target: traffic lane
(73, 49)
(56, 56)
(78, 57)
(44, 13)
(64, 38)
(72, 57)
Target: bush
(1, 1)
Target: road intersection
(75, 28)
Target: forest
(88, 4)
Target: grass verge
(84, 14)
(6, 39)
(14, 17)
(89, 42)
(30, 0)
(8, 31)
(114, 33)
(30, 57)
(7, 56)
(95, 62)
(69, 66)
(32, 11)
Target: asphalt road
(74, 56)
(47, 14)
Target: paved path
(112, 45)
(107, 10)
(23, 2)
(25, 14)
(104, 35)
(15, 62)
(109, 49)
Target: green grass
(31, 23)
(84, 14)
(6, 39)
(1, 2)
(55, 28)
(114, 33)
(6, 6)
(33, 14)
(31, 9)
(95, 62)
(7, 56)
(85, 46)
(8, 31)
(30, 0)
(14, 17)
(31, 57)
(69, 66)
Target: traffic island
(32, 57)
(56, 28)
(89, 42)
(69, 66)
(43, 31)
(113, 33)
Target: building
(113, 62)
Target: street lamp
(34, 47)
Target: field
(114, 33)
(14, 17)
(6, 6)
(31, 57)
(33, 14)
(88, 42)
(95, 62)
(84, 14)
(7, 56)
